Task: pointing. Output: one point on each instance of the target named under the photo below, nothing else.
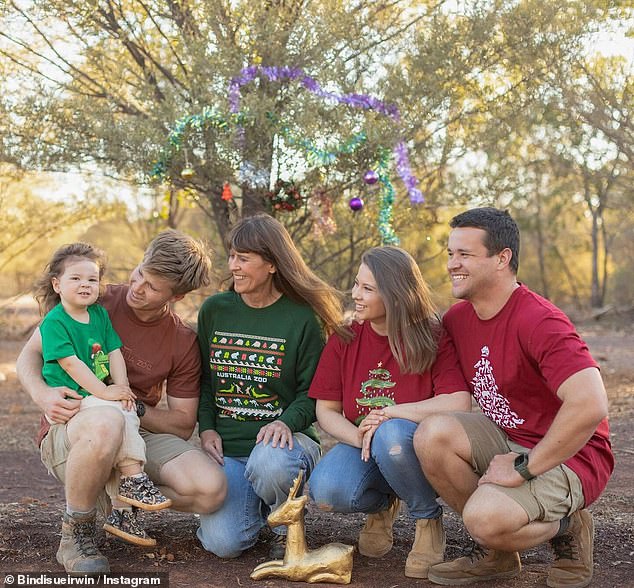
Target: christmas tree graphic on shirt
(488, 397)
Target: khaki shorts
(160, 449)
(549, 497)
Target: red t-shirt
(363, 374)
(516, 362)
(163, 352)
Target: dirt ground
(31, 501)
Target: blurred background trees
(518, 104)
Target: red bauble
(227, 194)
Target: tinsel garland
(277, 73)
(210, 117)
(388, 236)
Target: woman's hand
(373, 419)
(366, 443)
(368, 426)
(211, 442)
(278, 433)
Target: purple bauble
(355, 204)
(370, 177)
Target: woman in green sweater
(261, 342)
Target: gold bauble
(188, 173)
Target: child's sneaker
(278, 546)
(141, 492)
(124, 524)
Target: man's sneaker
(478, 565)
(573, 564)
(278, 547)
(376, 537)
(77, 550)
(141, 492)
(123, 523)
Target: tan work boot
(376, 537)
(479, 565)
(77, 550)
(572, 567)
(428, 548)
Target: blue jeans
(256, 485)
(343, 482)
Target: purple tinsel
(405, 173)
(276, 73)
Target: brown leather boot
(573, 563)
(376, 537)
(479, 565)
(77, 550)
(428, 548)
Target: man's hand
(211, 443)
(278, 433)
(60, 404)
(502, 471)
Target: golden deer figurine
(330, 563)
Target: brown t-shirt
(160, 353)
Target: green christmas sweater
(257, 366)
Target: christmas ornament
(188, 173)
(370, 177)
(320, 208)
(355, 204)
(285, 196)
(227, 194)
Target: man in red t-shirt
(161, 355)
(523, 469)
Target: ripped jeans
(343, 482)
(256, 485)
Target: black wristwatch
(521, 466)
(140, 408)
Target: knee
(226, 547)
(433, 436)
(101, 430)
(267, 464)
(208, 488)
(389, 432)
(485, 523)
(212, 493)
(389, 440)
(320, 490)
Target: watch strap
(521, 466)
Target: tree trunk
(540, 246)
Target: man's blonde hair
(179, 258)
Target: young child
(82, 351)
